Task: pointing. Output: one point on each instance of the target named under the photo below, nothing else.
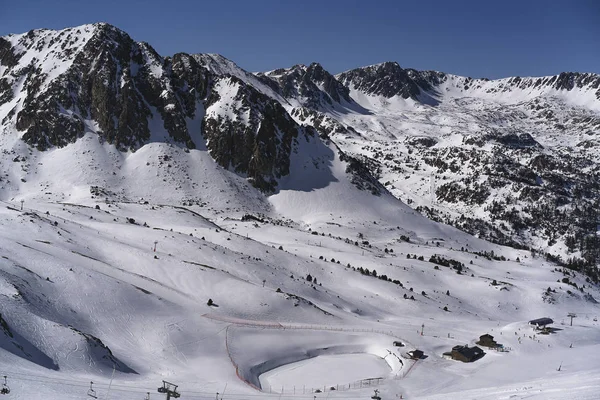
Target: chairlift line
(140, 390)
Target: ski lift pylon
(5, 389)
(92, 393)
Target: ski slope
(83, 291)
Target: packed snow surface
(325, 372)
(83, 291)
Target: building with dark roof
(415, 354)
(541, 323)
(464, 353)
(487, 340)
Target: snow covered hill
(254, 236)
(375, 277)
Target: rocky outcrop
(111, 86)
(117, 88)
(312, 86)
(324, 124)
(387, 79)
(249, 132)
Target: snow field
(323, 372)
(71, 273)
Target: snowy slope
(61, 255)
(153, 322)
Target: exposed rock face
(249, 132)
(311, 86)
(386, 79)
(112, 86)
(563, 81)
(115, 87)
(361, 175)
(323, 123)
(389, 79)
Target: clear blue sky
(483, 38)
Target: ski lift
(170, 389)
(376, 395)
(92, 393)
(5, 389)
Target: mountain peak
(311, 85)
(387, 65)
(385, 79)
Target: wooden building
(464, 353)
(487, 340)
(414, 354)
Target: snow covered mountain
(511, 160)
(57, 86)
(255, 234)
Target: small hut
(487, 340)
(464, 353)
(415, 354)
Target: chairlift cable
(139, 389)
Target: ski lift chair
(169, 388)
(5, 389)
(92, 393)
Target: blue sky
(473, 38)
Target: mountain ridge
(108, 26)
